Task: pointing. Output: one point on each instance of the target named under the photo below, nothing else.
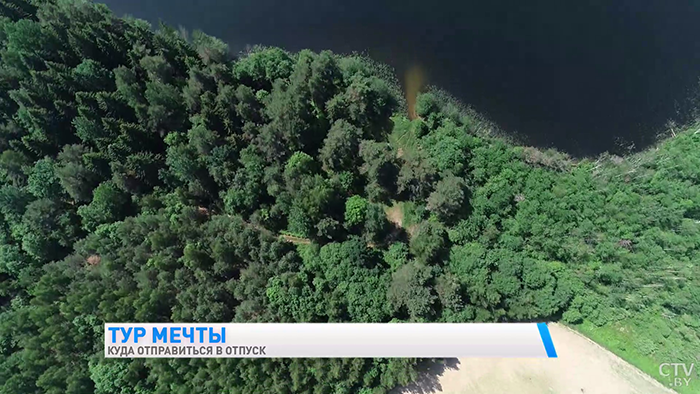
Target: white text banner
(327, 340)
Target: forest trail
(289, 238)
(295, 240)
(583, 367)
(395, 215)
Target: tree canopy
(149, 176)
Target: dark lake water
(576, 75)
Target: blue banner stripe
(547, 340)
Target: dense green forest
(152, 176)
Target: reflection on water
(413, 83)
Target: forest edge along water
(584, 77)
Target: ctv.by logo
(679, 373)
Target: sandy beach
(583, 367)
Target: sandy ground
(583, 367)
(395, 215)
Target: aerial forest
(152, 175)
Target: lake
(580, 76)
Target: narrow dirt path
(295, 240)
(395, 215)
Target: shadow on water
(429, 377)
